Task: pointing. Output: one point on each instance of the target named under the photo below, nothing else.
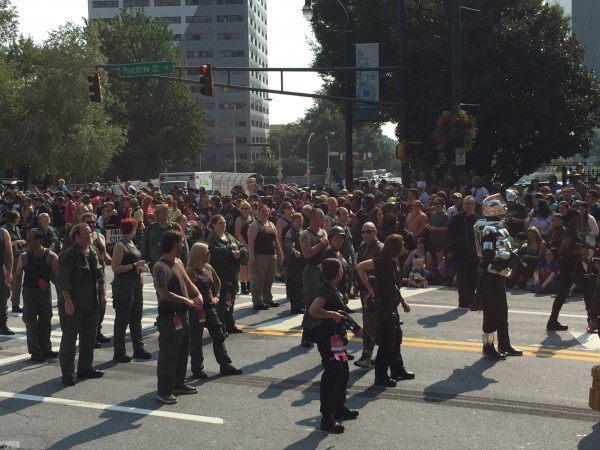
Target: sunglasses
(367, 231)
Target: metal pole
(456, 54)
(328, 174)
(233, 130)
(403, 90)
(456, 63)
(308, 159)
(348, 109)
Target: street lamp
(307, 12)
(233, 129)
(308, 159)
(260, 100)
(328, 173)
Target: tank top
(245, 226)
(2, 248)
(317, 259)
(176, 285)
(264, 244)
(37, 270)
(205, 284)
(131, 255)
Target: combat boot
(488, 347)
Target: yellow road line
(539, 352)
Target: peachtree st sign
(145, 69)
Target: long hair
(199, 255)
(393, 246)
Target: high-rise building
(224, 33)
(586, 27)
(585, 22)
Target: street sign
(460, 157)
(145, 69)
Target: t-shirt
(594, 211)
(438, 219)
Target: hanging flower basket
(456, 129)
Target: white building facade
(224, 33)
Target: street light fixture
(307, 12)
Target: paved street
(458, 399)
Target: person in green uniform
(36, 268)
(153, 236)
(50, 236)
(173, 290)
(127, 265)
(6, 276)
(82, 293)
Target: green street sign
(145, 69)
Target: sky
(288, 35)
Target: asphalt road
(458, 399)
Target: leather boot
(329, 424)
(488, 347)
(5, 330)
(592, 325)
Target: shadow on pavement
(592, 440)
(313, 439)
(467, 379)
(448, 316)
(554, 339)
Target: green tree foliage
(322, 119)
(46, 119)
(165, 125)
(8, 23)
(520, 63)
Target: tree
(47, 121)
(8, 23)
(537, 99)
(322, 119)
(165, 125)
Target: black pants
(225, 307)
(495, 307)
(173, 348)
(466, 277)
(388, 354)
(570, 271)
(293, 289)
(215, 330)
(334, 382)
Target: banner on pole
(367, 82)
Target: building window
(133, 3)
(241, 140)
(232, 105)
(225, 123)
(230, 18)
(177, 37)
(230, 36)
(230, 2)
(207, 106)
(209, 123)
(198, 2)
(200, 54)
(230, 54)
(198, 19)
(106, 4)
(175, 19)
(167, 2)
(210, 140)
(226, 140)
(199, 36)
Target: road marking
(105, 407)
(469, 346)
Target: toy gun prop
(350, 324)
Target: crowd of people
(328, 245)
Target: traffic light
(206, 80)
(95, 88)
(401, 150)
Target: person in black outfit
(387, 294)
(460, 243)
(294, 265)
(207, 281)
(570, 271)
(330, 342)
